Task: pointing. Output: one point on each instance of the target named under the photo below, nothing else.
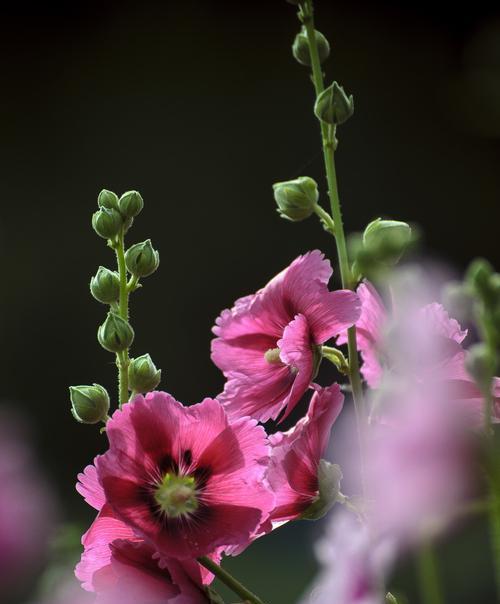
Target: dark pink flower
(295, 455)
(186, 479)
(123, 569)
(266, 344)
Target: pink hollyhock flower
(422, 342)
(354, 564)
(369, 332)
(266, 344)
(420, 463)
(186, 479)
(123, 569)
(26, 508)
(296, 455)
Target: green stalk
(234, 585)
(430, 588)
(122, 358)
(328, 140)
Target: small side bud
(107, 199)
(143, 376)
(333, 106)
(89, 404)
(105, 286)
(115, 334)
(107, 223)
(329, 477)
(300, 47)
(297, 198)
(387, 240)
(481, 366)
(459, 301)
(141, 259)
(131, 204)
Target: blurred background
(200, 106)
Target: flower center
(176, 495)
(272, 355)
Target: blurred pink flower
(26, 508)
(265, 343)
(420, 464)
(123, 569)
(354, 564)
(186, 479)
(295, 455)
(419, 342)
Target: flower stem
(430, 587)
(122, 358)
(329, 144)
(228, 580)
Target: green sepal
(105, 286)
(107, 199)
(107, 223)
(130, 204)
(143, 376)
(142, 259)
(300, 47)
(329, 477)
(89, 404)
(296, 199)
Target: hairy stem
(328, 139)
(122, 358)
(228, 580)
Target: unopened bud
(130, 204)
(89, 404)
(297, 198)
(108, 199)
(105, 286)
(481, 277)
(333, 106)
(329, 477)
(386, 240)
(480, 364)
(107, 223)
(115, 334)
(300, 47)
(143, 376)
(141, 259)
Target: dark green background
(200, 106)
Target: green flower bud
(459, 301)
(296, 198)
(89, 404)
(484, 282)
(141, 259)
(107, 223)
(143, 376)
(130, 204)
(480, 364)
(108, 199)
(333, 106)
(105, 286)
(115, 334)
(329, 477)
(300, 47)
(386, 240)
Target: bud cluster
(90, 404)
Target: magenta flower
(122, 568)
(186, 479)
(295, 455)
(267, 343)
(354, 564)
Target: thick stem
(430, 588)
(122, 358)
(328, 138)
(228, 580)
